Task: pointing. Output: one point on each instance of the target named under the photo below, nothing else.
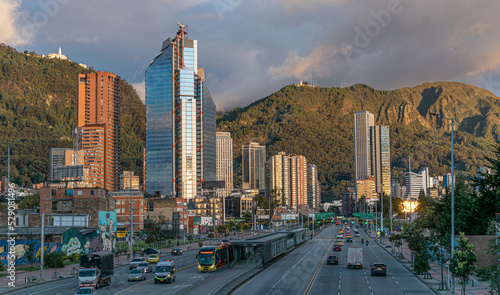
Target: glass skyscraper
(180, 121)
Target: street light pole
(452, 183)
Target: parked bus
(211, 258)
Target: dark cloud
(252, 48)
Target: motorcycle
(367, 242)
(362, 241)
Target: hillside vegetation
(38, 104)
(317, 122)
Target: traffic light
(331, 220)
(318, 222)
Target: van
(165, 272)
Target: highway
(304, 271)
(119, 283)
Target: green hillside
(317, 122)
(38, 103)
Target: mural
(107, 230)
(73, 243)
(21, 246)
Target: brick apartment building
(76, 201)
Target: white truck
(355, 257)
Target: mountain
(38, 103)
(317, 122)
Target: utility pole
(42, 252)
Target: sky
(252, 48)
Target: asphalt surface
(304, 271)
(119, 283)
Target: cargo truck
(96, 269)
(355, 257)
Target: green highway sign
(364, 215)
(325, 215)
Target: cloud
(11, 33)
(140, 88)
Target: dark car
(149, 251)
(176, 251)
(379, 269)
(332, 259)
(349, 240)
(337, 247)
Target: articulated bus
(210, 258)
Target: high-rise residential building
(312, 187)
(129, 181)
(66, 168)
(298, 182)
(253, 166)
(278, 176)
(225, 161)
(362, 122)
(180, 121)
(380, 158)
(97, 130)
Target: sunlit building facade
(381, 158)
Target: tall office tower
(414, 185)
(312, 187)
(98, 127)
(362, 121)
(253, 166)
(180, 121)
(225, 161)
(278, 176)
(298, 182)
(380, 158)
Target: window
(91, 192)
(107, 215)
(80, 192)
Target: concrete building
(367, 189)
(348, 202)
(237, 204)
(253, 166)
(298, 182)
(278, 176)
(180, 121)
(129, 180)
(225, 161)
(313, 194)
(97, 130)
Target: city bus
(211, 258)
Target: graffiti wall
(73, 243)
(107, 230)
(22, 246)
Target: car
(135, 261)
(86, 290)
(340, 243)
(137, 274)
(332, 259)
(149, 251)
(165, 272)
(176, 251)
(356, 234)
(379, 269)
(146, 265)
(339, 236)
(153, 258)
(349, 240)
(337, 247)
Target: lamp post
(8, 160)
(452, 182)
(131, 223)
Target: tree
(29, 249)
(31, 201)
(462, 262)
(418, 244)
(494, 250)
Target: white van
(165, 272)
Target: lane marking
(317, 269)
(51, 288)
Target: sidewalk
(474, 286)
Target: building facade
(278, 176)
(139, 206)
(97, 131)
(253, 166)
(362, 122)
(180, 121)
(129, 180)
(225, 161)
(313, 196)
(381, 158)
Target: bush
(74, 257)
(54, 260)
(200, 244)
(190, 238)
(484, 273)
